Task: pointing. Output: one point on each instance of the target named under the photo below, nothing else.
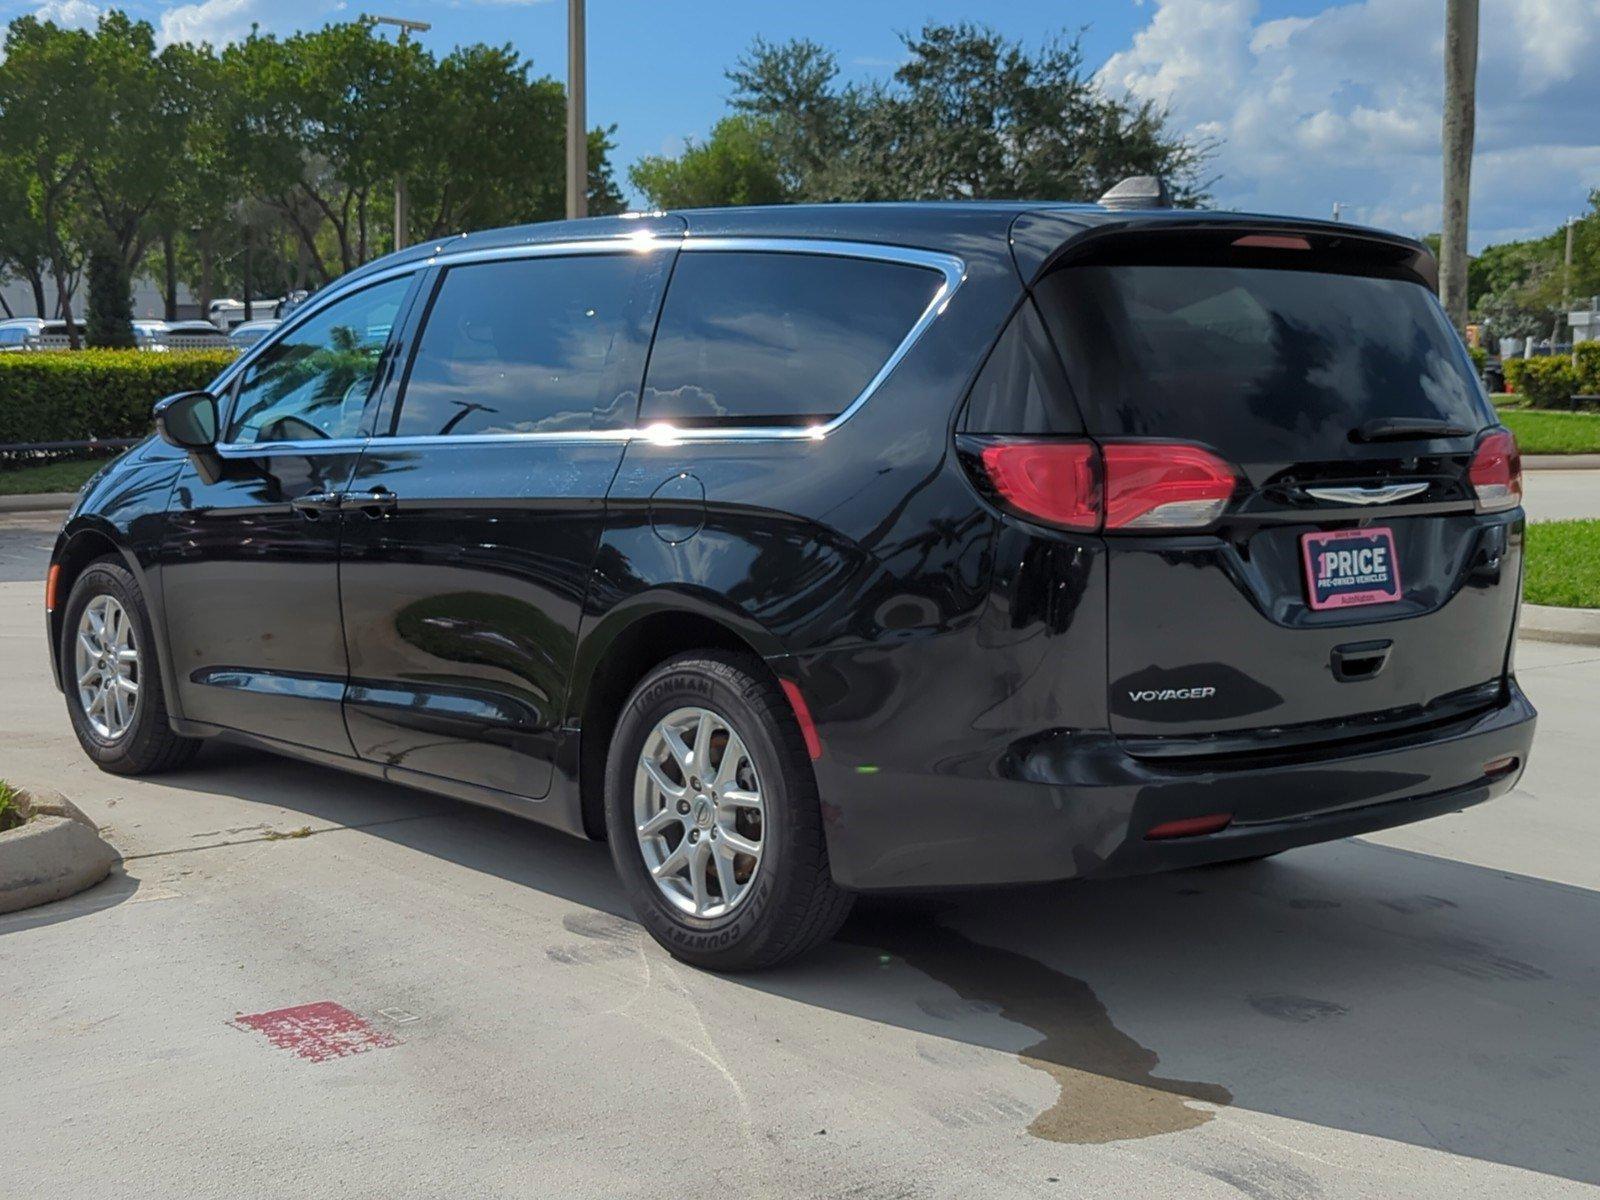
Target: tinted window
(1021, 389)
(528, 345)
(1259, 363)
(753, 338)
(314, 381)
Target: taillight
(1056, 482)
(1496, 473)
(1165, 485)
(1135, 486)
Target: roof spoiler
(1138, 191)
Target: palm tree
(1460, 108)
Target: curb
(38, 502)
(1561, 462)
(1547, 623)
(56, 854)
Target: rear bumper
(1072, 805)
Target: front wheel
(110, 676)
(713, 819)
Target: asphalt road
(1411, 1015)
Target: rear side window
(530, 345)
(1259, 363)
(749, 338)
(1022, 388)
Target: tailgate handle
(1359, 660)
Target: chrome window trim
(951, 268)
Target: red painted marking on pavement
(317, 1031)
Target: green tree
(970, 114)
(110, 323)
(46, 126)
(24, 251)
(738, 164)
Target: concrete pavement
(1412, 1014)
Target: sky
(1310, 102)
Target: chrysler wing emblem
(1383, 493)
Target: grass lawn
(66, 475)
(1553, 432)
(1563, 564)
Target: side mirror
(188, 420)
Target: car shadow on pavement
(1349, 985)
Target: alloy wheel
(698, 812)
(106, 666)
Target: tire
(784, 900)
(147, 743)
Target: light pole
(577, 137)
(402, 202)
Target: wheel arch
(88, 540)
(623, 648)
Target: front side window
(753, 338)
(530, 345)
(313, 383)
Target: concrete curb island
(1547, 623)
(57, 852)
(38, 502)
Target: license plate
(1351, 568)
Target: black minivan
(806, 551)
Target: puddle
(1108, 1087)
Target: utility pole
(402, 201)
(1566, 290)
(1338, 209)
(1460, 110)
(577, 133)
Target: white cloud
(1345, 106)
(214, 21)
(74, 14)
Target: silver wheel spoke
(672, 863)
(734, 798)
(697, 876)
(725, 879)
(672, 791)
(663, 820)
(680, 752)
(732, 756)
(738, 844)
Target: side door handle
(377, 502)
(313, 504)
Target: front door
(473, 521)
(250, 562)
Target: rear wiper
(1407, 429)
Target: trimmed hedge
(1546, 382)
(73, 396)
(1588, 355)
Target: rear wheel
(111, 679)
(713, 820)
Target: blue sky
(1312, 101)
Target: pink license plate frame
(1368, 573)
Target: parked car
(809, 551)
(149, 334)
(242, 337)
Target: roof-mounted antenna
(1138, 191)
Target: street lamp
(577, 136)
(402, 206)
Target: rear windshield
(1258, 363)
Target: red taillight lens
(1164, 485)
(1496, 473)
(1057, 482)
(1117, 486)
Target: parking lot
(1407, 1014)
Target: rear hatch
(1356, 579)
